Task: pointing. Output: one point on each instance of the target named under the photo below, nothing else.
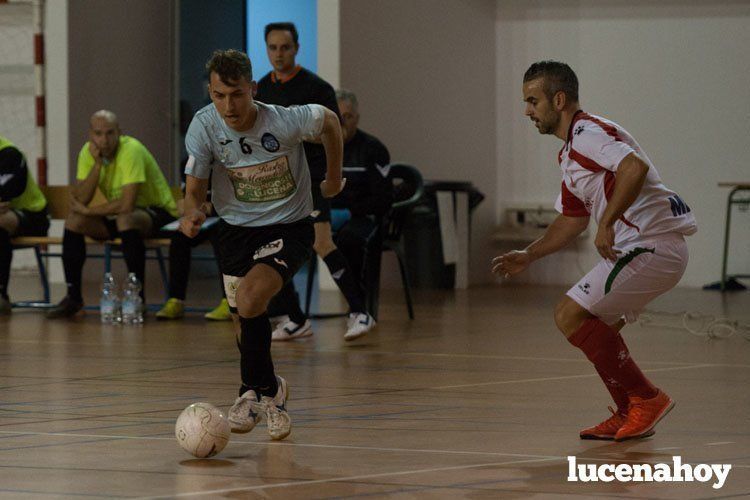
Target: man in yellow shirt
(139, 203)
(23, 210)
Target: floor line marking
(491, 356)
(563, 377)
(343, 479)
(302, 445)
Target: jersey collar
(578, 115)
(285, 79)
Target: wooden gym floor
(479, 397)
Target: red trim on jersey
(609, 184)
(609, 129)
(571, 205)
(586, 163)
(578, 115)
(630, 224)
(609, 188)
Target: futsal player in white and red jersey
(641, 229)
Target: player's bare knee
(75, 222)
(125, 221)
(560, 317)
(569, 316)
(252, 299)
(250, 305)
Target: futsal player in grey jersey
(261, 191)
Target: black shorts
(159, 218)
(321, 205)
(32, 223)
(284, 247)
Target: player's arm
(331, 138)
(559, 234)
(123, 205)
(631, 174)
(83, 191)
(195, 195)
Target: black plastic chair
(408, 189)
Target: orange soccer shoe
(643, 415)
(606, 429)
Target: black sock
(355, 258)
(256, 366)
(6, 255)
(215, 245)
(287, 301)
(345, 280)
(73, 256)
(134, 251)
(180, 250)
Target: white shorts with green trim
(645, 270)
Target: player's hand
(78, 207)
(206, 208)
(511, 263)
(95, 152)
(190, 223)
(605, 242)
(329, 189)
(4, 207)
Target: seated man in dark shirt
(23, 210)
(367, 195)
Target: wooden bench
(58, 206)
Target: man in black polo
(289, 84)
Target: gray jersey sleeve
(198, 145)
(305, 123)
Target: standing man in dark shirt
(289, 84)
(368, 194)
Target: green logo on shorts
(620, 265)
(267, 181)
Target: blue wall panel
(303, 13)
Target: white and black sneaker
(277, 418)
(291, 330)
(278, 320)
(358, 324)
(245, 412)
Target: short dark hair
(290, 27)
(231, 65)
(349, 96)
(558, 77)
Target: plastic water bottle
(109, 304)
(132, 312)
